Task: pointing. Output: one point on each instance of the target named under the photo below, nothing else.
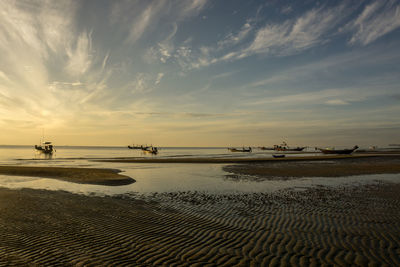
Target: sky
(200, 73)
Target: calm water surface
(152, 177)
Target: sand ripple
(346, 226)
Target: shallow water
(153, 177)
(209, 178)
(11, 153)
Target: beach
(321, 225)
(344, 226)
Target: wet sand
(332, 167)
(356, 226)
(75, 175)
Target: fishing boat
(136, 147)
(284, 147)
(278, 156)
(150, 149)
(338, 151)
(243, 149)
(266, 148)
(46, 148)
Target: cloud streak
(296, 35)
(79, 59)
(376, 20)
(313, 28)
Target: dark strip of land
(224, 160)
(332, 167)
(76, 175)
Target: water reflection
(150, 178)
(207, 178)
(41, 155)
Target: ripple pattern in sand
(348, 226)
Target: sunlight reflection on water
(207, 178)
(153, 177)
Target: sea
(161, 177)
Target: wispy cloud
(190, 8)
(143, 17)
(286, 10)
(337, 102)
(80, 57)
(233, 39)
(159, 77)
(376, 20)
(148, 16)
(329, 96)
(145, 82)
(293, 36)
(44, 57)
(283, 38)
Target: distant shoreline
(390, 147)
(228, 160)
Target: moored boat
(284, 147)
(136, 147)
(278, 156)
(46, 148)
(266, 148)
(243, 149)
(150, 149)
(338, 151)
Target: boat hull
(290, 149)
(45, 149)
(343, 152)
(239, 150)
(338, 151)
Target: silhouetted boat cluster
(148, 149)
(285, 147)
(46, 148)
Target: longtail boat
(338, 151)
(243, 149)
(46, 148)
(285, 147)
(150, 149)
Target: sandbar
(326, 167)
(76, 175)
